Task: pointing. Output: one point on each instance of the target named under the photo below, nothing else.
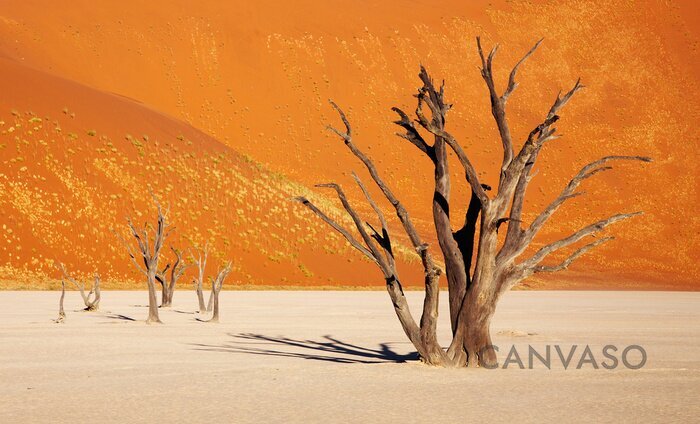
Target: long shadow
(120, 317)
(328, 350)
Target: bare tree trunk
(210, 303)
(216, 285)
(200, 296)
(153, 317)
(201, 262)
(163, 292)
(167, 299)
(215, 306)
(61, 313)
(95, 304)
(176, 271)
(477, 342)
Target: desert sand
(338, 356)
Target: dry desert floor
(333, 356)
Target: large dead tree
(92, 298)
(146, 256)
(478, 268)
(177, 268)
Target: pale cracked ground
(338, 357)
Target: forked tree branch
(359, 224)
(337, 227)
(567, 193)
(412, 134)
(512, 84)
(401, 211)
(570, 190)
(498, 102)
(544, 131)
(383, 238)
(545, 251)
(129, 249)
(523, 177)
(435, 125)
(564, 264)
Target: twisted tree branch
(337, 227)
(564, 264)
(545, 251)
(567, 193)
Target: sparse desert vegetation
(55, 194)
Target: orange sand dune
(256, 76)
(76, 162)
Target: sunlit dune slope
(256, 76)
(75, 162)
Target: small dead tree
(200, 260)
(149, 255)
(210, 303)
(92, 298)
(176, 270)
(475, 282)
(61, 312)
(216, 285)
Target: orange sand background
(256, 76)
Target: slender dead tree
(176, 270)
(210, 303)
(92, 298)
(216, 285)
(61, 312)
(478, 268)
(200, 260)
(149, 255)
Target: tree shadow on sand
(329, 349)
(120, 317)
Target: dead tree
(149, 255)
(92, 298)
(216, 285)
(176, 270)
(478, 268)
(210, 303)
(61, 312)
(200, 260)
